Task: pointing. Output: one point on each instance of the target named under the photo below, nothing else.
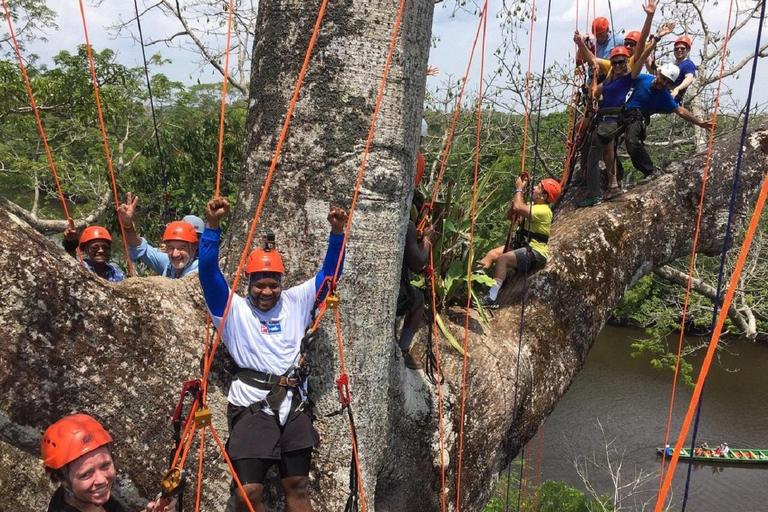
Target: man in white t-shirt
(269, 422)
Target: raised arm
(126, 211)
(583, 50)
(337, 218)
(650, 10)
(637, 67)
(518, 206)
(215, 287)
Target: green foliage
(188, 128)
(550, 496)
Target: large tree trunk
(120, 351)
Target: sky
(453, 35)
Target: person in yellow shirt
(530, 250)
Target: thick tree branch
(679, 278)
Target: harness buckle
(332, 301)
(203, 417)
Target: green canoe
(734, 456)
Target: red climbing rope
(696, 233)
(469, 261)
(104, 135)
(452, 130)
(723, 316)
(438, 378)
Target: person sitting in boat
(717, 451)
(724, 450)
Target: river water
(631, 401)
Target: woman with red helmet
(180, 239)
(530, 250)
(77, 455)
(95, 244)
(269, 421)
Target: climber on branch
(268, 413)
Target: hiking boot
(589, 201)
(410, 361)
(613, 193)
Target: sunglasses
(630, 44)
(681, 49)
(622, 62)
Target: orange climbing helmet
(261, 260)
(685, 40)
(70, 438)
(600, 25)
(552, 188)
(180, 230)
(620, 50)
(419, 169)
(633, 36)
(94, 233)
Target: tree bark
(120, 351)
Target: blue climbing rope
(726, 240)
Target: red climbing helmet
(264, 261)
(419, 169)
(70, 438)
(685, 40)
(180, 230)
(600, 25)
(633, 36)
(94, 233)
(620, 50)
(552, 188)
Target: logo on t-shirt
(270, 328)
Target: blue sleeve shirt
(158, 261)
(603, 51)
(216, 288)
(687, 67)
(615, 91)
(650, 99)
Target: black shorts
(409, 299)
(260, 436)
(254, 471)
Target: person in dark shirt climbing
(524, 256)
(268, 416)
(612, 92)
(410, 300)
(96, 247)
(77, 454)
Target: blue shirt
(603, 51)
(158, 261)
(650, 99)
(615, 91)
(112, 273)
(216, 288)
(687, 67)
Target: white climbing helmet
(424, 127)
(670, 71)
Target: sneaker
(648, 177)
(613, 193)
(589, 201)
(485, 301)
(410, 361)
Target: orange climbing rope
(527, 104)
(438, 378)
(40, 128)
(104, 135)
(696, 233)
(452, 130)
(723, 316)
(224, 99)
(469, 261)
